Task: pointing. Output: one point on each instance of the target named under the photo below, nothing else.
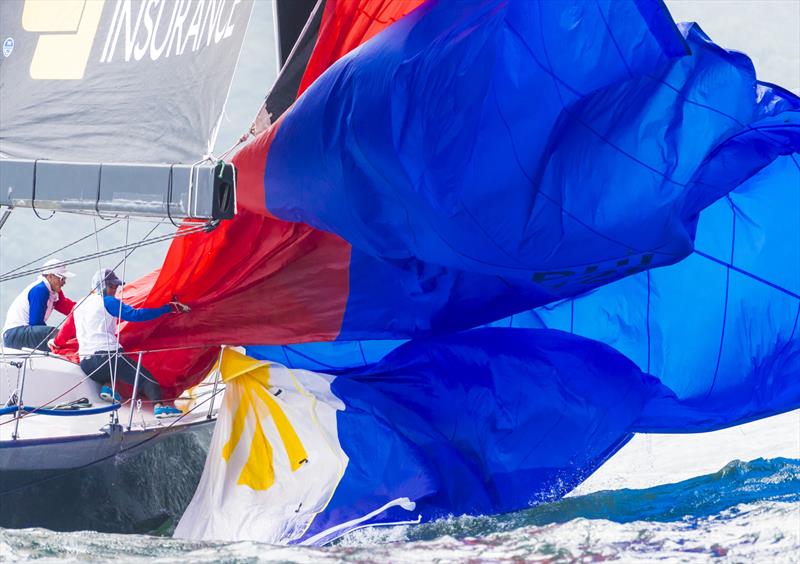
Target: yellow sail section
(255, 483)
(238, 427)
(258, 473)
(234, 364)
(251, 378)
(294, 448)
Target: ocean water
(747, 511)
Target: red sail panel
(346, 24)
(254, 279)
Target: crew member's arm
(129, 313)
(37, 304)
(63, 304)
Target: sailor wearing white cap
(98, 344)
(26, 321)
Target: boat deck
(75, 438)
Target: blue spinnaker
(721, 328)
(474, 160)
(493, 420)
(623, 185)
(480, 422)
(566, 144)
(487, 158)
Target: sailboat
(421, 170)
(98, 120)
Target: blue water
(745, 511)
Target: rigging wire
(129, 247)
(34, 411)
(119, 320)
(60, 323)
(68, 245)
(102, 289)
(33, 351)
(245, 136)
(130, 351)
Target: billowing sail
(589, 169)
(721, 328)
(438, 213)
(481, 422)
(437, 428)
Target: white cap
(50, 268)
(103, 278)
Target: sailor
(98, 346)
(26, 321)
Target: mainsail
(114, 105)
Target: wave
(760, 480)
(745, 511)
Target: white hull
(64, 453)
(52, 443)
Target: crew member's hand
(178, 307)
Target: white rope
(129, 248)
(241, 140)
(102, 290)
(2, 343)
(122, 448)
(119, 318)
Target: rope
(131, 247)
(61, 412)
(59, 396)
(241, 140)
(127, 247)
(97, 195)
(119, 317)
(102, 290)
(68, 245)
(33, 196)
(127, 351)
(34, 411)
(169, 197)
